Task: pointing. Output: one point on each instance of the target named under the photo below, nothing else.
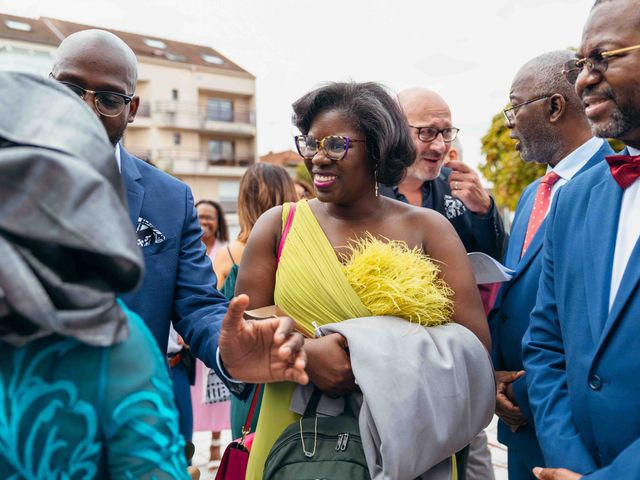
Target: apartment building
(197, 113)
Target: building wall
(174, 124)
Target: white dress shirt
(118, 157)
(628, 232)
(572, 163)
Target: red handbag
(233, 465)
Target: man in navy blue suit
(547, 121)
(581, 349)
(179, 284)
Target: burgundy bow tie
(624, 168)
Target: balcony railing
(184, 161)
(199, 116)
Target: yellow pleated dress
(311, 286)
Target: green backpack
(318, 448)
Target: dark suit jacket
(509, 318)
(179, 283)
(478, 234)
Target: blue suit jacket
(582, 360)
(509, 318)
(179, 283)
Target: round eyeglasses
(334, 146)
(596, 61)
(429, 134)
(108, 104)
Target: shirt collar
(118, 157)
(572, 163)
(633, 151)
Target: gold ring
(455, 185)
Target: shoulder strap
(231, 256)
(287, 227)
(247, 424)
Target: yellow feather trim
(392, 279)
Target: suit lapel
(628, 287)
(538, 240)
(599, 243)
(518, 233)
(135, 190)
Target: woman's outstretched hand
(261, 351)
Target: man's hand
(261, 351)
(329, 365)
(194, 473)
(465, 185)
(555, 474)
(506, 406)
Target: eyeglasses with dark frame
(510, 114)
(108, 104)
(596, 61)
(429, 134)
(335, 146)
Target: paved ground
(203, 439)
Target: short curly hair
(372, 111)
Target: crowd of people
(129, 318)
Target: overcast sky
(467, 50)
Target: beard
(423, 173)
(541, 147)
(117, 136)
(621, 121)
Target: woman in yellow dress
(354, 135)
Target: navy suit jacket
(509, 318)
(179, 283)
(582, 359)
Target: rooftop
(51, 31)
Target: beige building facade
(197, 108)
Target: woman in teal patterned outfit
(84, 391)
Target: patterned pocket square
(147, 233)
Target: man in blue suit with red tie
(548, 122)
(581, 352)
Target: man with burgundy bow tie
(581, 352)
(547, 120)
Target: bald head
(417, 98)
(101, 45)
(98, 61)
(426, 109)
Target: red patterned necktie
(540, 207)
(624, 168)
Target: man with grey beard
(547, 121)
(581, 349)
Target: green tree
(503, 166)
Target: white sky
(467, 50)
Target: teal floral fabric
(71, 411)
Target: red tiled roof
(288, 157)
(39, 32)
(51, 31)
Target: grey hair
(548, 79)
